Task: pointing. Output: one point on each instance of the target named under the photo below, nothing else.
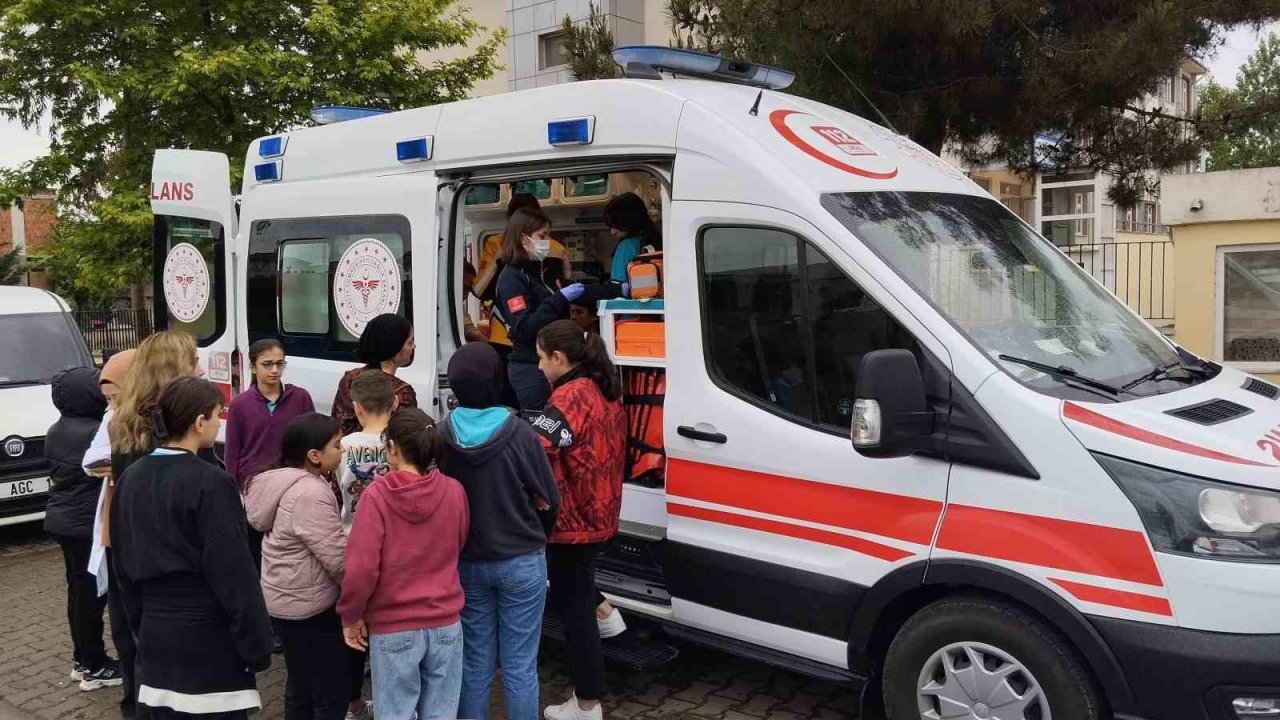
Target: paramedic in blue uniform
(527, 304)
(627, 218)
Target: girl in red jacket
(584, 431)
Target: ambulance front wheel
(974, 657)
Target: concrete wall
(1227, 196)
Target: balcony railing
(1133, 226)
(1139, 273)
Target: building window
(1083, 205)
(1249, 304)
(551, 51)
(1186, 94)
(787, 329)
(1149, 217)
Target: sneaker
(108, 675)
(612, 626)
(78, 671)
(365, 714)
(570, 710)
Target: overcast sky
(17, 144)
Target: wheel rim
(974, 681)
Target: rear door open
(195, 229)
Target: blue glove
(626, 290)
(573, 292)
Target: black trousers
(164, 713)
(126, 645)
(321, 669)
(571, 569)
(84, 607)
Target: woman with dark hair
(627, 218)
(256, 418)
(584, 433)
(185, 577)
(387, 345)
(302, 567)
(401, 596)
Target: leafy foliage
(121, 78)
(589, 45)
(1242, 124)
(10, 267)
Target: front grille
(1266, 390)
(1210, 412)
(32, 457)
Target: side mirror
(890, 413)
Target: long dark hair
(261, 346)
(180, 403)
(585, 350)
(629, 213)
(307, 432)
(415, 434)
(525, 221)
(382, 339)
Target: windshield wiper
(1063, 372)
(1162, 372)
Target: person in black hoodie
(495, 455)
(73, 500)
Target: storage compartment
(634, 332)
(640, 337)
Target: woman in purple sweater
(256, 417)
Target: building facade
(28, 229)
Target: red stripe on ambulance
(896, 516)
(1116, 598)
(800, 532)
(1072, 411)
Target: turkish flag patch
(516, 304)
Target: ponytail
(585, 350)
(415, 434)
(179, 405)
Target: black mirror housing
(891, 412)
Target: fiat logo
(14, 447)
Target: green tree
(1242, 124)
(10, 267)
(589, 45)
(121, 78)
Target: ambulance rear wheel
(973, 657)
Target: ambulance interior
(575, 203)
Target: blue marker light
(414, 150)
(267, 172)
(328, 114)
(574, 131)
(271, 147)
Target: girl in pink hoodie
(401, 596)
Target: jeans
(572, 571)
(502, 621)
(84, 607)
(417, 671)
(318, 683)
(531, 386)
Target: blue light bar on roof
(571, 131)
(329, 114)
(703, 65)
(271, 147)
(267, 172)
(415, 149)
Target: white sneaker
(366, 714)
(612, 626)
(570, 710)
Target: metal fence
(111, 330)
(1139, 273)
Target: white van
(1047, 509)
(38, 340)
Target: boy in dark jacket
(73, 500)
(512, 494)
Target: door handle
(695, 434)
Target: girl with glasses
(256, 418)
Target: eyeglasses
(273, 364)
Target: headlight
(1188, 515)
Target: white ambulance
(908, 440)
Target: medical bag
(644, 275)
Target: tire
(963, 632)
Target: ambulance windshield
(1008, 289)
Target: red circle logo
(831, 145)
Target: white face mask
(541, 248)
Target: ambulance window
(786, 329)
(540, 189)
(304, 287)
(593, 185)
(197, 305)
(483, 194)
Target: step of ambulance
(633, 648)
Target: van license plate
(21, 488)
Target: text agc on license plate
(19, 488)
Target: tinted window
(36, 347)
(190, 282)
(785, 328)
(312, 281)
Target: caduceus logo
(185, 281)
(364, 287)
(366, 284)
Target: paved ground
(35, 657)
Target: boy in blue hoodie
(496, 457)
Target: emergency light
(643, 60)
(572, 131)
(414, 150)
(271, 147)
(329, 114)
(267, 172)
